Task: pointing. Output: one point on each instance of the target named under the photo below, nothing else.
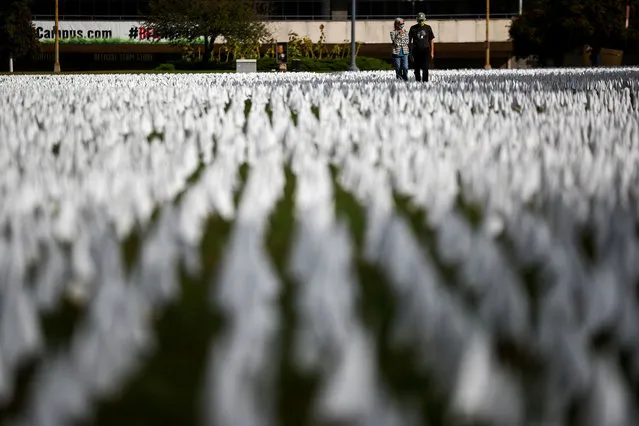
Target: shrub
(165, 67)
(269, 64)
(365, 63)
(266, 64)
(325, 65)
(205, 66)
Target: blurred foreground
(320, 249)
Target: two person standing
(418, 43)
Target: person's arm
(410, 39)
(396, 38)
(432, 44)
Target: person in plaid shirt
(399, 38)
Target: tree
(235, 20)
(551, 28)
(17, 35)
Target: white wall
(446, 31)
(371, 32)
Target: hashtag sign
(133, 33)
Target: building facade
(289, 9)
(459, 25)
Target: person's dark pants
(421, 63)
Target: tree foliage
(17, 35)
(549, 29)
(235, 20)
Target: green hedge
(326, 65)
(269, 64)
(165, 67)
(204, 66)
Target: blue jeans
(400, 64)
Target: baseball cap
(421, 16)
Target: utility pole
(56, 66)
(353, 43)
(625, 47)
(487, 66)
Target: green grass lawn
(166, 390)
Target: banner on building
(117, 30)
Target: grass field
(322, 249)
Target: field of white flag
(321, 249)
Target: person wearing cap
(399, 38)
(422, 47)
